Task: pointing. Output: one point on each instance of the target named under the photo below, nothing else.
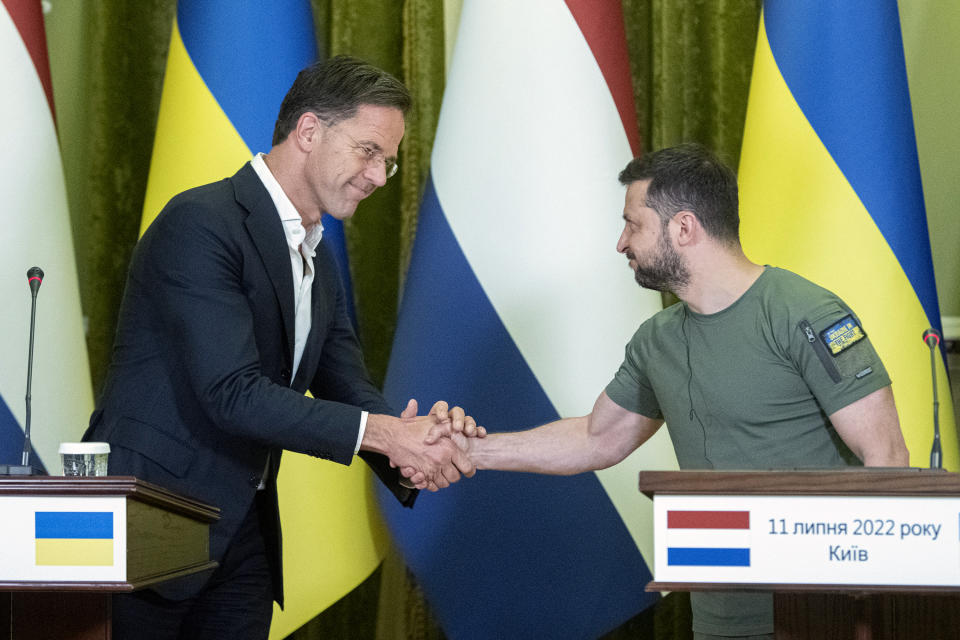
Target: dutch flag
(517, 307)
(708, 538)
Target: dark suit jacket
(199, 391)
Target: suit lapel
(319, 313)
(266, 233)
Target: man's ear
(689, 229)
(308, 131)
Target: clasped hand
(434, 454)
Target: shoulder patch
(842, 335)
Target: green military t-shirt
(750, 387)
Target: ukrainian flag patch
(842, 335)
(74, 538)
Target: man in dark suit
(233, 308)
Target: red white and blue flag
(517, 307)
(708, 538)
(35, 227)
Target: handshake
(431, 451)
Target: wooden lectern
(856, 553)
(69, 543)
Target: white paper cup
(84, 458)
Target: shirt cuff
(363, 427)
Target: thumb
(463, 462)
(436, 432)
(411, 410)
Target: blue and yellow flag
(74, 538)
(229, 67)
(830, 186)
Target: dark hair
(689, 177)
(334, 89)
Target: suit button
(254, 481)
(286, 374)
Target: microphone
(932, 338)
(34, 279)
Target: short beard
(667, 272)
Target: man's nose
(376, 172)
(622, 242)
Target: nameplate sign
(63, 539)
(816, 540)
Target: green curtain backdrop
(107, 139)
(691, 64)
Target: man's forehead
(636, 196)
(375, 114)
(638, 188)
(378, 126)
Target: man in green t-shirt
(754, 368)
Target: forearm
(572, 445)
(563, 447)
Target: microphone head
(932, 337)
(34, 278)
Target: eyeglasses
(371, 155)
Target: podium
(858, 553)
(69, 543)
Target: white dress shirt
(302, 244)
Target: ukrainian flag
(830, 185)
(74, 538)
(229, 67)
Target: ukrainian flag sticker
(74, 538)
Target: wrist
(379, 432)
(478, 449)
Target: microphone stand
(25, 458)
(932, 338)
(34, 278)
